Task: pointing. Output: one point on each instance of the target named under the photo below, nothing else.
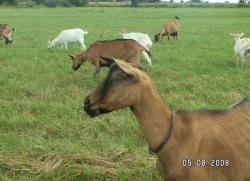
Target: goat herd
(190, 145)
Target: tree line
(68, 3)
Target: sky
(211, 1)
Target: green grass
(44, 133)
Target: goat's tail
(147, 55)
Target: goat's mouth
(95, 112)
(92, 110)
(75, 67)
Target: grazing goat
(190, 145)
(67, 36)
(169, 29)
(5, 32)
(241, 47)
(141, 38)
(126, 49)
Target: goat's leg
(237, 59)
(7, 40)
(97, 69)
(243, 60)
(84, 46)
(176, 35)
(240, 60)
(65, 45)
(81, 41)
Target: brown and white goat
(169, 29)
(206, 145)
(126, 49)
(5, 32)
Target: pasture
(44, 133)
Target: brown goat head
(77, 61)
(157, 37)
(121, 88)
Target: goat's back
(71, 34)
(211, 135)
(125, 49)
(171, 27)
(141, 38)
(5, 29)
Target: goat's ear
(72, 57)
(126, 67)
(111, 60)
(49, 39)
(242, 34)
(232, 34)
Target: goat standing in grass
(209, 145)
(169, 29)
(68, 36)
(126, 49)
(5, 32)
(241, 47)
(141, 38)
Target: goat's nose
(86, 101)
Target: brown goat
(5, 32)
(208, 145)
(126, 49)
(169, 29)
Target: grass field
(44, 133)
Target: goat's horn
(71, 56)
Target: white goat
(68, 36)
(141, 38)
(241, 47)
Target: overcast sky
(212, 1)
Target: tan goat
(5, 32)
(126, 49)
(209, 145)
(169, 29)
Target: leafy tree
(135, 2)
(78, 2)
(11, 1)
(243, 1)
(195, 1)
(50, 3)
(38, 1)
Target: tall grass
(44, 133)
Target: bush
(65, 3)
(78, 2)
(50, 3)
(11, 2)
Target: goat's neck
(54, 41)
(237, 39)
(153, 115)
